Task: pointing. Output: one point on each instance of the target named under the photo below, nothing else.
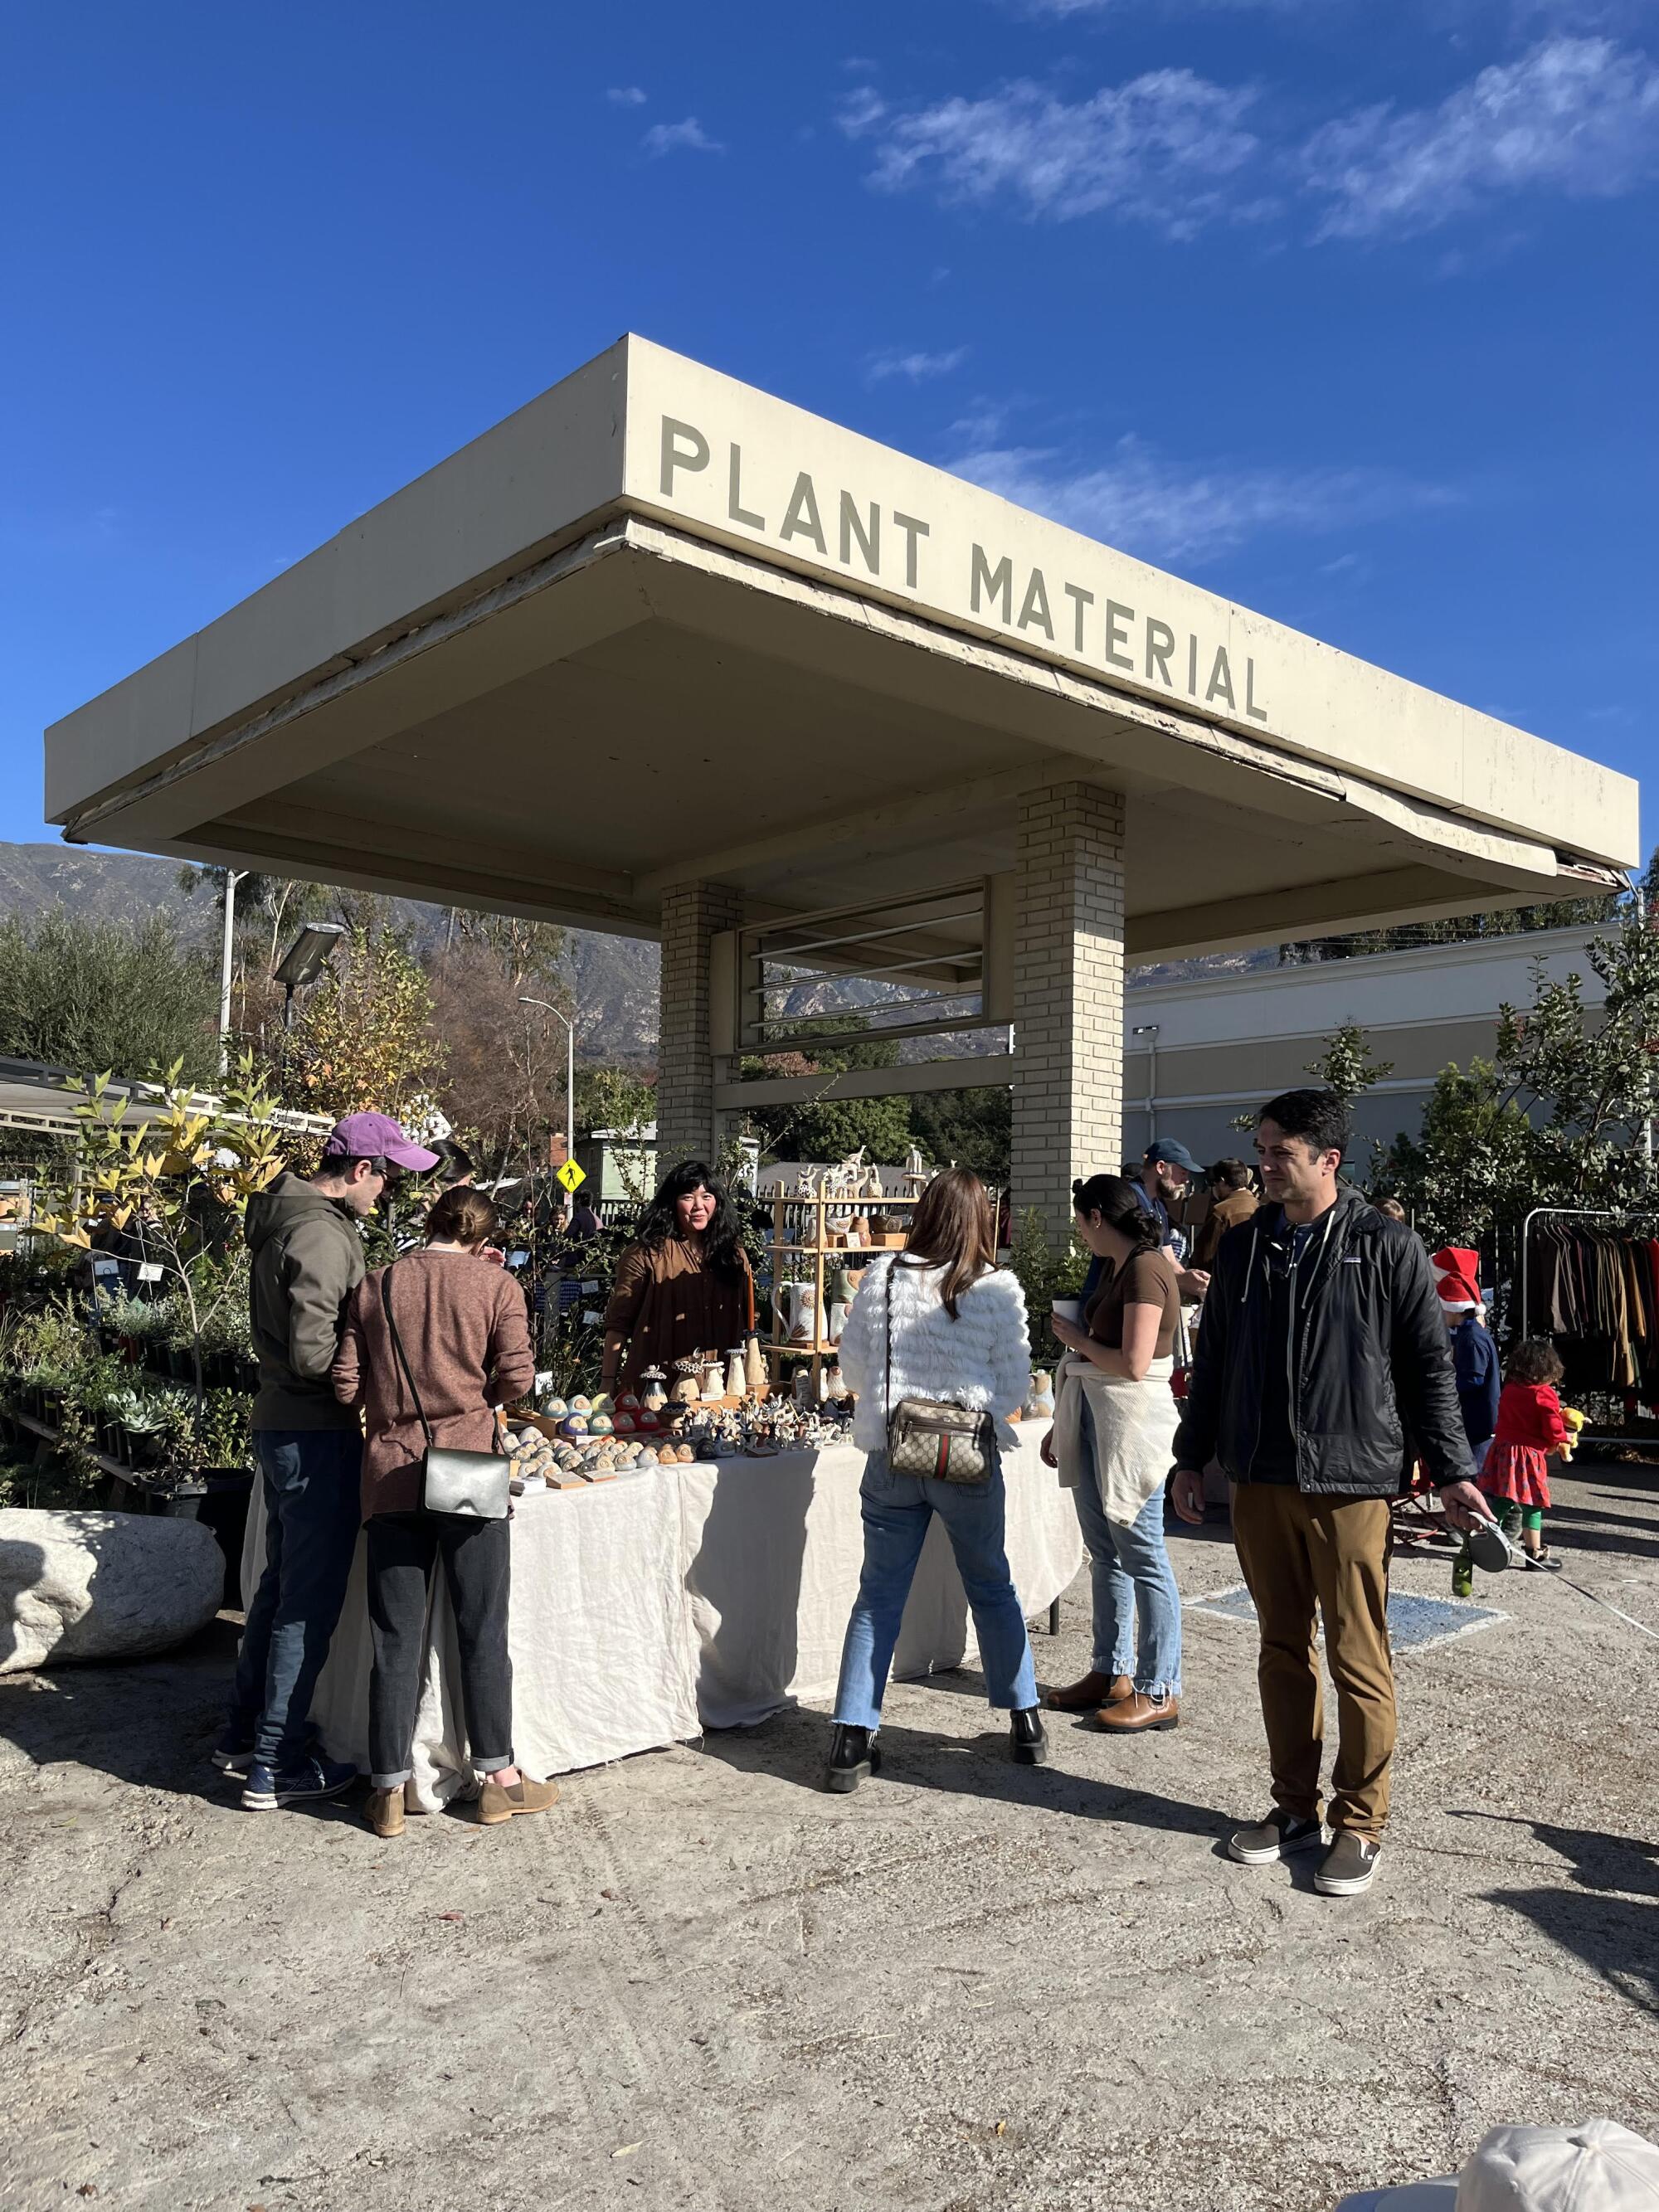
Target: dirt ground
(701, 1982)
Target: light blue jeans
(1131, 1582)
(897, 1509)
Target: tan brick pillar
(1068, 997)
(692, 915)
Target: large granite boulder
(101, 1585)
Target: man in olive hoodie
(308, 1257)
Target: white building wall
(1224, 1044)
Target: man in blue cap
(307, 1259)
(1165, 1167)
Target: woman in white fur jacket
(958, 1335)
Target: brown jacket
(669, 1306)
(1226, 1213)
(466, 1333)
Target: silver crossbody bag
(470, 1482)
(929, 1436)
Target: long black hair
(1118, 1202)
(723, 1241)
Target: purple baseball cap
(377, 1137)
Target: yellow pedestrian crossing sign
(571, 1176)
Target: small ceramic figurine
(653, 1393)
(735, 1382)
(754, 1367)
(1040, 1398)
(713, 1379)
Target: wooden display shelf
(819, 1250)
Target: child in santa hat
(1474, 1356)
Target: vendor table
(705, 1595)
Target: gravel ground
(701, 1982)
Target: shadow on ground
(1610, 1916)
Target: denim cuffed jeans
(1132, 1582)
(314, 1508)
(897, 1510)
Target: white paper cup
(1069, 1310)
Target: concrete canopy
(659, 626)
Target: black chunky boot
(854, 1755)
(1027, 1744)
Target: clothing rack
(1621, 1219)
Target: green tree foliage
(1558, 1117)
(76, 992)
(974, 1129)
(1346, 1065)
(823, 1128)
(364, 1040)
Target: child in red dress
(1530, 1432)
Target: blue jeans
(313, 1513)
(897, 1509)
(1131, 1580)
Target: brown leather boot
(496, 1804)
(1137, 1713)
(385, 1811)
(1094, 1689)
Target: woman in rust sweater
(465, 1335)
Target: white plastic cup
(1069, 1310)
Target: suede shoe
(1280, 1836)
(385, 1811)
(1137, 1714)
(1028, 1744)
(1092, 1690)
(496, 1804)
(265, 1791)
(854, 1756)
(1349, 1867)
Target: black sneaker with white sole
(1349, 1866)
(1280, 1836)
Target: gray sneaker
(1349, 1866)
(1280, 1836)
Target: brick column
(1068, 997)
(692, 914)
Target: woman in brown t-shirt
(1113, 1440)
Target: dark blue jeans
(313, 1513)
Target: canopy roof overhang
(659, 626)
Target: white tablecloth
(704, 1595)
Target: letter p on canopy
(683, 448)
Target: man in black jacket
(1322, 1372)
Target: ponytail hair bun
(1120, 1205)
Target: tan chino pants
(1299, 1552)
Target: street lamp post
(1149, 1031)
(232, 877)
(304, 962)
(569, 1069)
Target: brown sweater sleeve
(349, 1374)
(633, 1280)
(510, 1359)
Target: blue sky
(1345, 308)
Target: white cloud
(626, 95)
(915, 367)
(1165, 510)
(687, 137)
(1158, 149)
(1581, 115)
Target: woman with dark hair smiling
(684, 1286)
(1113, 1442)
